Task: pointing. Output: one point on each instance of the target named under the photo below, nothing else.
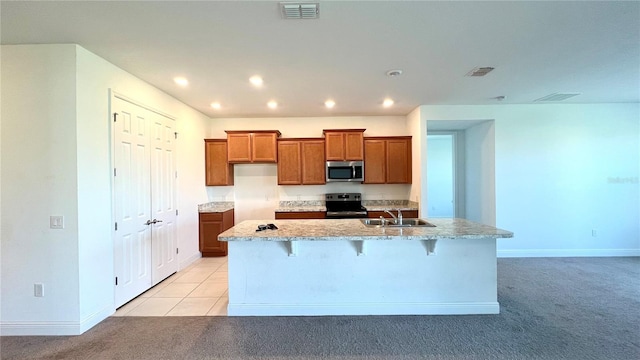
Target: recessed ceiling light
(387, 102)
(181, 81)
(256, 80)
(330, 104)
(272, 104)
(216, 105)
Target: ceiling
(537, 48)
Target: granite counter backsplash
(371, 205)
(301, 205)
(216, 206)
(380, 205)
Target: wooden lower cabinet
(300, 215)
(407, 214)
(211, 225)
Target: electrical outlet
(38, 290)
(56, 222)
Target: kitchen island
(342, 267)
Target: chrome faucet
(396, 219)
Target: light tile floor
(198, 290)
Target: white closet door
(164, 239)
(131, 200)
(144, 199)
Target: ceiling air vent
(480, 71)
(557, 97)
(300, 10)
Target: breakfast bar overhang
(342, 267)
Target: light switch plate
(56, 222)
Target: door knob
(156, 221)
(149, 222)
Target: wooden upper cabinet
(313, 163)
(290, 162)
(218, 171)
(252, 146)
(399, 161)
(344, 144)
(387, 160)
(375, 165)
(301, 162)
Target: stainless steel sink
(374, 222)
(390, 223)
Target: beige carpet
(572, 308)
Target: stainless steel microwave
(345, 171)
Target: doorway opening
(445, 175)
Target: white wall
(256, 191)
(562, 171)
(39, 170)
(417, 124)
(480, 173)
(440, 177)
(57, 162)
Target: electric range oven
(344, 206)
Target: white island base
(377, 277)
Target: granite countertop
(215, 206)
(355, 230)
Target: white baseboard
(363, 309)
(568, 253)
(95, 318)
(58, 328)
(188, 261)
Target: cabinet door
(211, 225)
(290, 163)
(313, 163)
(218, 171)
(399, 161)
(375, 161)
(353, 147)
(228, 219)
(300, 215)
(264, 148)
(334, 146)
(239, 147)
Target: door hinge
(114, 171)
(116, 226)
(115, 115)
(175, 134)
(177, 252)
(176, 174)
(116, 281)
(176, 212)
